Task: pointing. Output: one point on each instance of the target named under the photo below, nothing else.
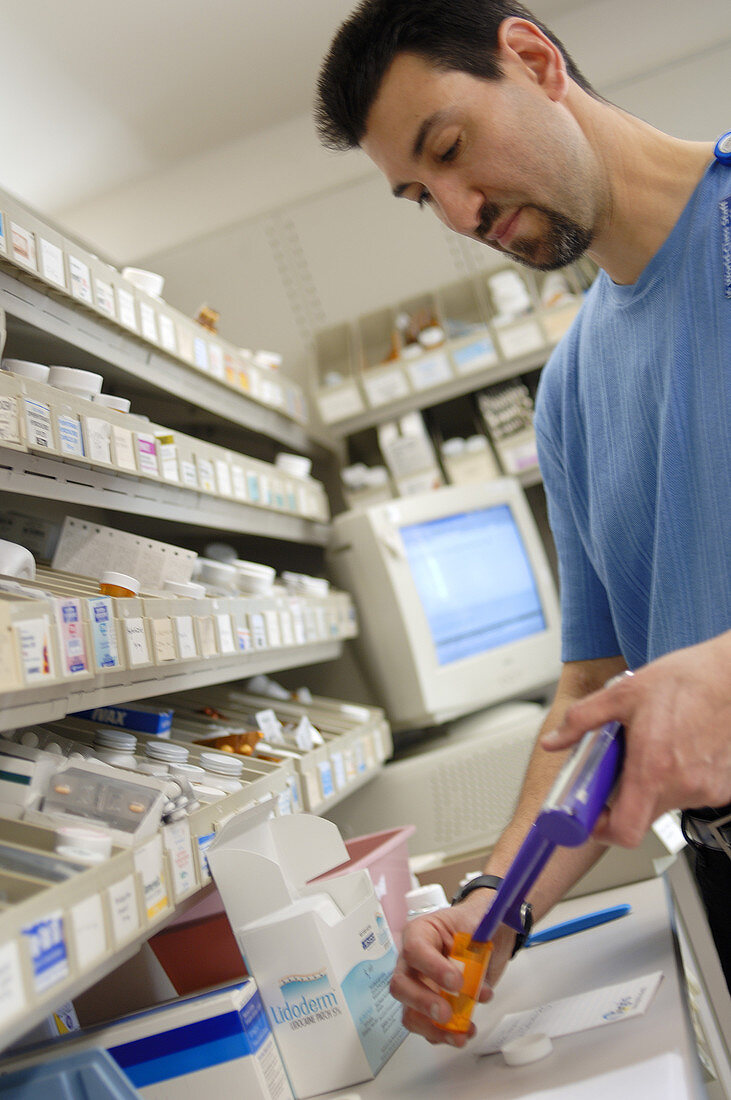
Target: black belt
(708, 828)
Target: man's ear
(524, 45)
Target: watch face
(526, 915)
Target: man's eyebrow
(418, 147)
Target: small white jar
(82, 844)
(166, 752)
(116, 747)
(222, 771)
(193, 772)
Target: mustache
(489, 215)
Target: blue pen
(577, 924)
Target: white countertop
(651, 1057)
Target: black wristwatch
(492, 882)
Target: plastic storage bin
(199, 949)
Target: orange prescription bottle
(473, 957)
(118, 584)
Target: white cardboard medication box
(213, 1045)
(322, 954)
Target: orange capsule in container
(239, 743)
(118, 584)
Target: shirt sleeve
(587, 630)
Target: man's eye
(451, 152)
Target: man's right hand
(423, 967)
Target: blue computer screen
(474, 581)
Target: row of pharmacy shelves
(74, 658)
(80, 444)
(65, 924)
(37, 325)
(84, 283)
(431, 348)
(65, 647)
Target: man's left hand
(676, 713)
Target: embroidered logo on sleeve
(725, 208)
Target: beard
(563, 243)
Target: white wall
(344, 247)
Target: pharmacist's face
(500, 161)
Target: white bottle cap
(120, 740)
(164, 750)
(475, 443)
(454, 446)
(83, 844)
(112, 401)
(527, 1048)
(431, 337)
(121, 580)
(193, 771)
(179, 588)
(221, 763)
(431, 896)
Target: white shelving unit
(362, 374)
(372, 371)
(52, 325)
(99, 917)
(27, 475)
(57, 938)
(437, 395)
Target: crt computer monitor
(457, 609)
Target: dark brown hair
(457, 35)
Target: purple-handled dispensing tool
(566, 818)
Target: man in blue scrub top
(474, 109)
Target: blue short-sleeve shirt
(632, 418)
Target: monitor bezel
(369, 559)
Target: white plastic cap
(295, 465)
(148, 281)
(121, 580)
(475, 443)
(527, 1048)
(194, 771)
(112, 401)
(38, 372)
(16, 561)
(82, 382)
(82, 843)
(255, 568)
(430, 896)
(454, 446)
(115, 739)
(268, 360)
(354, 476)
(179, 588)
(431, 337)
(221, 763)
(376, 476)
(164, 750)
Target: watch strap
(493, 882)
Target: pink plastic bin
(385, 856)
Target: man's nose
(458, 206)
